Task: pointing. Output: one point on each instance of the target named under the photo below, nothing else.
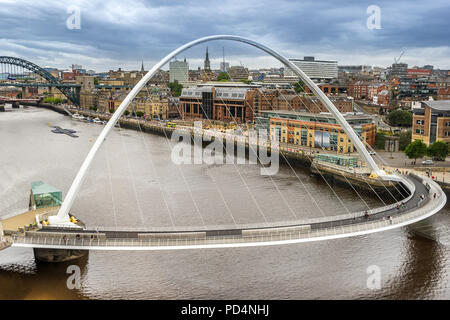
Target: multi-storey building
(358, 90)
(226, 102)
(315, 69)
(432, 122)
(317, 130)
(179, 71)
(443, 93)
(238, 73)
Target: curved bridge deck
(415, 209)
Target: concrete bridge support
(58, 255)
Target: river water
(134, 183)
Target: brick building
(432, 122)
(318, 130)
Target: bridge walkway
(415, 210)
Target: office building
(179, 71)
(315, 69)
(432, 122)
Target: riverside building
(316, 130)
(431, 122)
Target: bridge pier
(2, 108)
(58, 255)
(15, 105)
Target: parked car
(372, 153)
(427, 162)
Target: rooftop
(441, 105)
(348, 115)
(39, 187)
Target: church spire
(142, 66)
(207, 64)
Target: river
(134, 183)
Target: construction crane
(396, 60)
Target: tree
(299, 86)
(416, 149)
(139, 114)
(400, 118)
(95, 81)
(404, 139)
(380, 140)
(223, 76)
(126, 112)
(175, 88)
(438, 150)
(53, 100)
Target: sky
(115, 34)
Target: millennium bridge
(423, 198)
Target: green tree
(175, 88)
(126, 112)
(299, 86)
(139, 114)
(404, 139)
(223, 76)
(416, 149)
(53, 100)
(246, 81)
(95, 81)
(400, 118)
(380, 140)
(438, 150)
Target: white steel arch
(63, 215)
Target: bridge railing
(88, 241)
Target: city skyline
(122, 36)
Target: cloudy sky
(121, 33)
